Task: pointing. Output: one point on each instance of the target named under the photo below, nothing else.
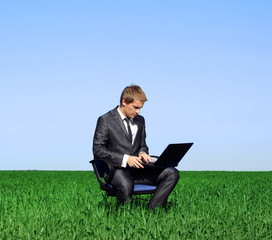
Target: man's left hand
(145, 157)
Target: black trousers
(165, 180)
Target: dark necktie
(129, 130)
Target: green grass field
(70, 205)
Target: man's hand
(134, 161)
(145, 157)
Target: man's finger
(139, 165)
(148, 159)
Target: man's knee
(172, 174)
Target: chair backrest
(101, 170)
(99, 167)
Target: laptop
(171, 156)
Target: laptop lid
(172, 155)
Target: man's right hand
(134, 161)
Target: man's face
(131, 110)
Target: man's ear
(123, 102)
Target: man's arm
(100, 144)
(143, 154)
(144, 147)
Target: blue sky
(205, 67)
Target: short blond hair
(131, 93)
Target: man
(120, 137)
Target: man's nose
(137, 111)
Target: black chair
(104, 169)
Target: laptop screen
(172, 155)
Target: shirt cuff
(124, 162)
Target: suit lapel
(118, 119)
(138, 131)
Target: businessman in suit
(121, 138)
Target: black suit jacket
(111, 140)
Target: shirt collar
(121, 114)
